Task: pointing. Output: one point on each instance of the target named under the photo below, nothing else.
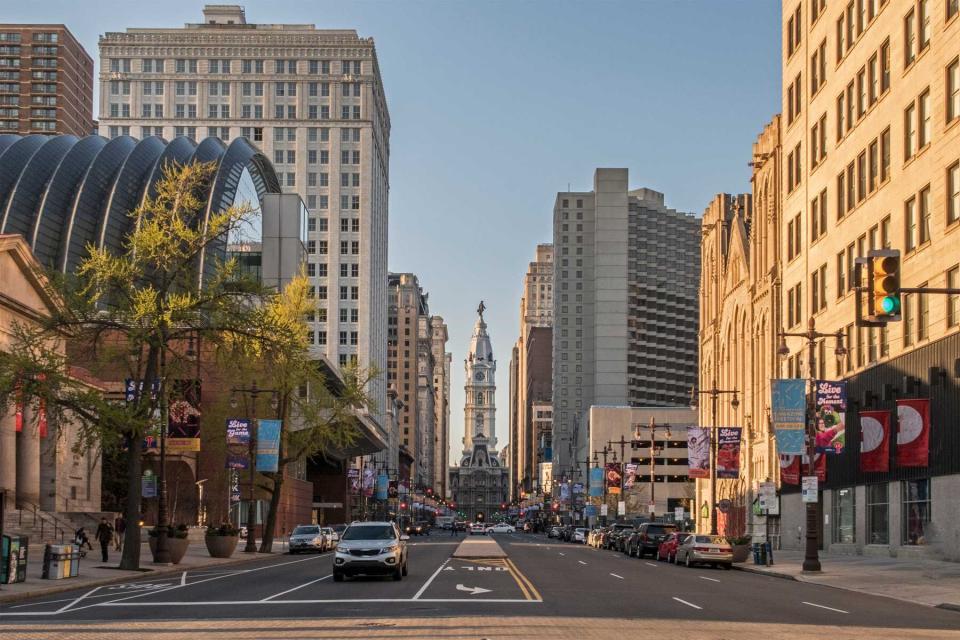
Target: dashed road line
(650, 564)
(616, 576)
(689, 604)
(581, 562)
(710, 579)
(823, 606)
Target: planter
(221, 546)
(741, 552)
(177, 547)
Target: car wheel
(727, 567)
(672, 558)
(658, 556)
(404, 568)
(689, 564)
(337, 576)
(398, 574)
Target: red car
(668, 548)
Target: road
(541, 585)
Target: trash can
(60, 561)
(768, 553)
(13, 559)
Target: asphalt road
(540, 578)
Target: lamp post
(605, 452)
(714, 394)
(811, 558)
(253, 392)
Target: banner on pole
(831, 418)
(789, 469)
(631, 476)
(353, 477)
(875, 441)
(268, 445)
(913, 432)
(788, 414)
(728, 452)
(612, 477)
(698, 451)
(369, 480)
(383, 484)
(596, 482)
(820, 465)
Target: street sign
(809, 488)
(148, 484)
(621, 508)
(652, 507)
(678, 514)
(603, 510)
(768, 502)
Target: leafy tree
(129, 315)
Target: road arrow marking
(472, 590)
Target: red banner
(789, 469)
(820, 462)
(42, 418)
(874, 441)
(913, 432)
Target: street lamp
(253, 392)
(811, 558)
(714, 394)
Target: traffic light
(885, 285)
(480, 516)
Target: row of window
(321, 270)
(222, 111)
(223, 88)
(322, 247)
(915, 513)
(220, 66)
(38, 36)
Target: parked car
(332, 536)
(460, 525)
(647, 538)
(371, 548)
(553, 532)
(502, 527)
(667, 550)
(308, 537)
(580, 535)
(477, 528)
(697, 549)
(616, 536)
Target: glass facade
(844, 516)
(878, 513)
(915, 511)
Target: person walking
(104, 536)
(119, 526)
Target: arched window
(479, 397)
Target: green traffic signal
(890, 305)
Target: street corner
(488, 579)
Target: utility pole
(714, 394)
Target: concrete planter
(741, 552)
(177, 547)
(221, 546)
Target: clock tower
(480, 408)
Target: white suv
(371, 548)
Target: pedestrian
(104, 536)
(453, 529)
(80, 539)
(119, 526)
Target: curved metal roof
(63, 193)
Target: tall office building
(46, 81)
(626, 270)
(531, 372)
(313, 101)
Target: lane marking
(562, 553)
(710, 579)
(183, 578)
(689, 604)
(532, 590)
(429, 580)
(822, 606)
(616, 576)
(306, 584)
(581, 562)
(281, 602)
(67, 606)
(649, 564)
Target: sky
(496, 105)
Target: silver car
(705, 549)
(309, 537)
(371, 548)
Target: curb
(761, 572)
(948, 606)
(62, 588)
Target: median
(483, 547)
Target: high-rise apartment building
(441, 404)
(531, 371)
(46, 81)
(313, 101)
(626, 270)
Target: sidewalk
(94, 573)
(930, 582)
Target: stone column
(28, 462)
(52, 469)
(8, 455)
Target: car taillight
(701, 548)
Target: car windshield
(306, 531)
(712, 539)
(657, 529)
(369, 532)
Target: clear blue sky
(497, 105)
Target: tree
(315, 418)
(129, 315)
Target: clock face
(478, 376)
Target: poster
(875, 441)
(369, 479)
(596, 482)
(392, 490)
(234, 487)
(612, 476)
(698, 451)
(183, 423)
(809, 489)
(383, 482)
(353, 477)
(148, 484)
(728, 452)
(564, 492)
(820, 464)
(789, 469)
(788, 414)
(831, 416)
(913, 432)
(238, 443)
(631, 476)
(767, 494)
(268, 445)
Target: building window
(878, 513)
(925, 215)
(910, 131)
(953, 301)
(915, 511)
(953, 90)
(909, 38)
(910, 224)
(844, 516)
(953, 193)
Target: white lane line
(814, 604)
(306, 584)
(581, 562)
(689, 604)
(710, 579)
(562, 553)
(427, 583)
(175, 603)
(75, 601)
(616, 576)
(649, 564)
(183, 578)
